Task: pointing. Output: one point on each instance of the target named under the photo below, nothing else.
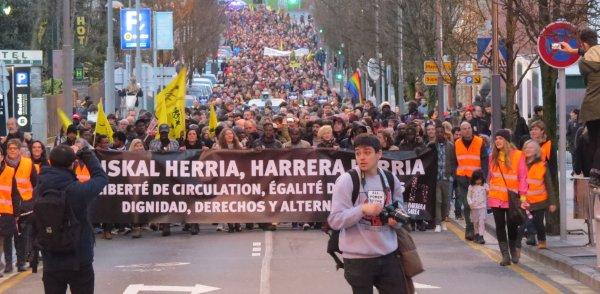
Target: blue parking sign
(130, 21)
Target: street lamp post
(138, 54)
(109, 72)
(496, 103)
(438, 56)
(67, 58)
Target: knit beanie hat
(504, 133)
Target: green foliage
(16, 29)
(52, 86)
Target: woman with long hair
(192, 140)
(136, 145)
(386, 140)
(507, 173)
(38, 155)
(540, 194)
(228, 141)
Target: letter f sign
(131, 20)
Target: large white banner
(279, 53)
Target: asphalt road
(290, 262)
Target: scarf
(12, 162)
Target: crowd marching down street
(477, 172)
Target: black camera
(396, 212)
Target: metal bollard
(597, 222)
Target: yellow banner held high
(170, 105)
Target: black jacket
(80, 197)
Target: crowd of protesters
(462, 138)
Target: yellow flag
(212, 120)
(64, 119)
(170, 105)
(102, 125)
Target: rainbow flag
(354, 86)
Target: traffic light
(339, 76)
(339, 52)
(320, 31)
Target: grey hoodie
(362, 236)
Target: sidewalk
(572, 256)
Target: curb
(581, 272)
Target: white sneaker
(438, 228)
(444, 227)
(219, 227)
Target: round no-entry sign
(554, 33)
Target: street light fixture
(7, 10)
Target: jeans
(502, 224)
(384, 272)
(79, 282)
(462, 186)
(442, 193)
(20, 246)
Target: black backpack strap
(355, 184)
(391, 180)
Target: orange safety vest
(469, 160)
(82, 173)
(535, 179)
(6, 179)
(23, 178)
(545, 150)
(499, 189)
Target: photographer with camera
(61, 222)
(367, 236)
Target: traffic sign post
(554, 33)
(430, 66)
(430, 79)
(130, 22)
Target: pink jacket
(521, 175)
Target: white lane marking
(196, 289)
(255, 254)
(425, 286)
(265, 269)
(149, 267)
(256, 244)
(256, 249)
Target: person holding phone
(589, 66)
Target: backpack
(55, 227)
(334, 235)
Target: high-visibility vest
(536, 191)
(6, 179)
(82, 173)
(499, 189)
(545, 150)
(38, 166)
(23, 178)
(469, 160)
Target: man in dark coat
(72, 269)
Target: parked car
(200, 92)
(210, 77)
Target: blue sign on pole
(130, 21)
(484, 52)
(164, 30)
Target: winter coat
(589, 66)
(80, 197)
